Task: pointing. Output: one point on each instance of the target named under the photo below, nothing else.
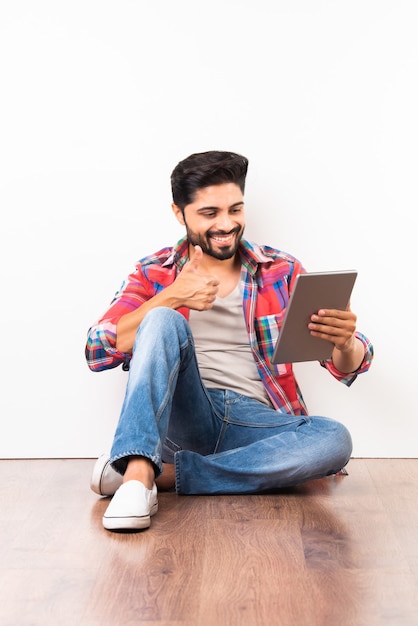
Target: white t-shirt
(222, 349)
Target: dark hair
(204, 169)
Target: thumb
(197, 257)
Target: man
(205, 410)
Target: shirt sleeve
(100, 351)
(348, 379)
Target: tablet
(312, 291)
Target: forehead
(224, 195)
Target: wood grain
(338, 551)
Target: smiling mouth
(223, 239)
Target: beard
(210, 247)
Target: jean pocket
(169, 450)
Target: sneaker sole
(129, 523)
(96, 480)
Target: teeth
(227, 238)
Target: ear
(178, 214)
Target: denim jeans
(220, 441)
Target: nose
(224, 223)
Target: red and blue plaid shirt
(267, 279)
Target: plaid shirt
(267, 279)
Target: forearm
(350, 359)
(128, 324)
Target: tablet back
(312, 291)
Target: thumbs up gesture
(193, 287)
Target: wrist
(350, 346)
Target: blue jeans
(219, 441)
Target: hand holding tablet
(312, 292)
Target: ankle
(166, 480)
(142, 469)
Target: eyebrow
(216, 208)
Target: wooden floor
(334, 552)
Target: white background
(100, 100)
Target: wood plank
(341, 550)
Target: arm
(111, 340)
(349, 359)
(192, 289)
(352, 350)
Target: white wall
(100, 100)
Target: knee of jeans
(164, 319)
(163, 315)
(345, 444)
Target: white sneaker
(104, 479)
(131, 507)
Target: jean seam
(225, 422)
(128, 453)
(169, 393)
(177, 471)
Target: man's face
(215, 220)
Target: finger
(334, 313)
(323, 322)
(332, 326)
(197, 257)
(212, 281)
